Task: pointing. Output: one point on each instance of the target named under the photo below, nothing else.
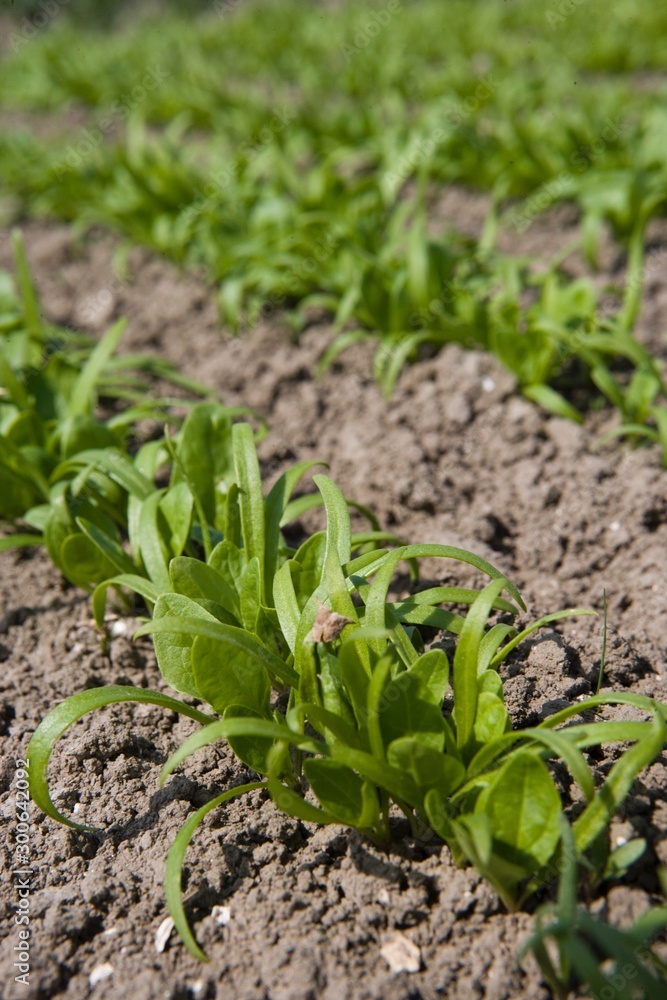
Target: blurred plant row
(302, 175)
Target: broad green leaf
(176, 509)
(205, 456)
(430, 768)
(225, 675)
(174, 649)
(226, 635)
(82, 562)
(152, 545)
(492, 719)
(523, 807)
(252, 750)
(404, 712)
(432, 671)
(342, 793)
(285, 602)
(274, 508)
(197, 580)
(108, 546)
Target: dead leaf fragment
(328, 625)
(401, 954)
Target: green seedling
(362, 701)
(613, 962)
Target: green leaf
(225, 675)
(138, 584)
(109, 547)
(342, 793)
(65, 714)
(465, 665)
(624, 857)
(404, 712)
(227, 635)
(19, 541)
(274, 508)
(205, 456)
(152, 545)
(82, 397)
(252, 750)
(492, 719)
(176, 508)
(251, 498)
(176, 856)
(285, 602)
(522, 806)
(82, 562)
(431, 669)
(618, 782)
(174, 649)
(429, 768)
(197, 580)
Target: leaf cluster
(320, 682)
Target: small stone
(100, 972)
(222, 915)
(401, 954)
(163, 934)
(488, 384)
(383, 897)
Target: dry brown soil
(455, 457)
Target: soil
(287, 911)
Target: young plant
(613, 962)
(362, 699)
(69, 475)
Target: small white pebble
(99, 973)
(383, 897)
(620, 841)
(118, 627)
(197, 987)
(162, 934)
(615, 526)
(222, 915)
(488, 385)
(401, 954)
(110, 931)
(77, 808)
